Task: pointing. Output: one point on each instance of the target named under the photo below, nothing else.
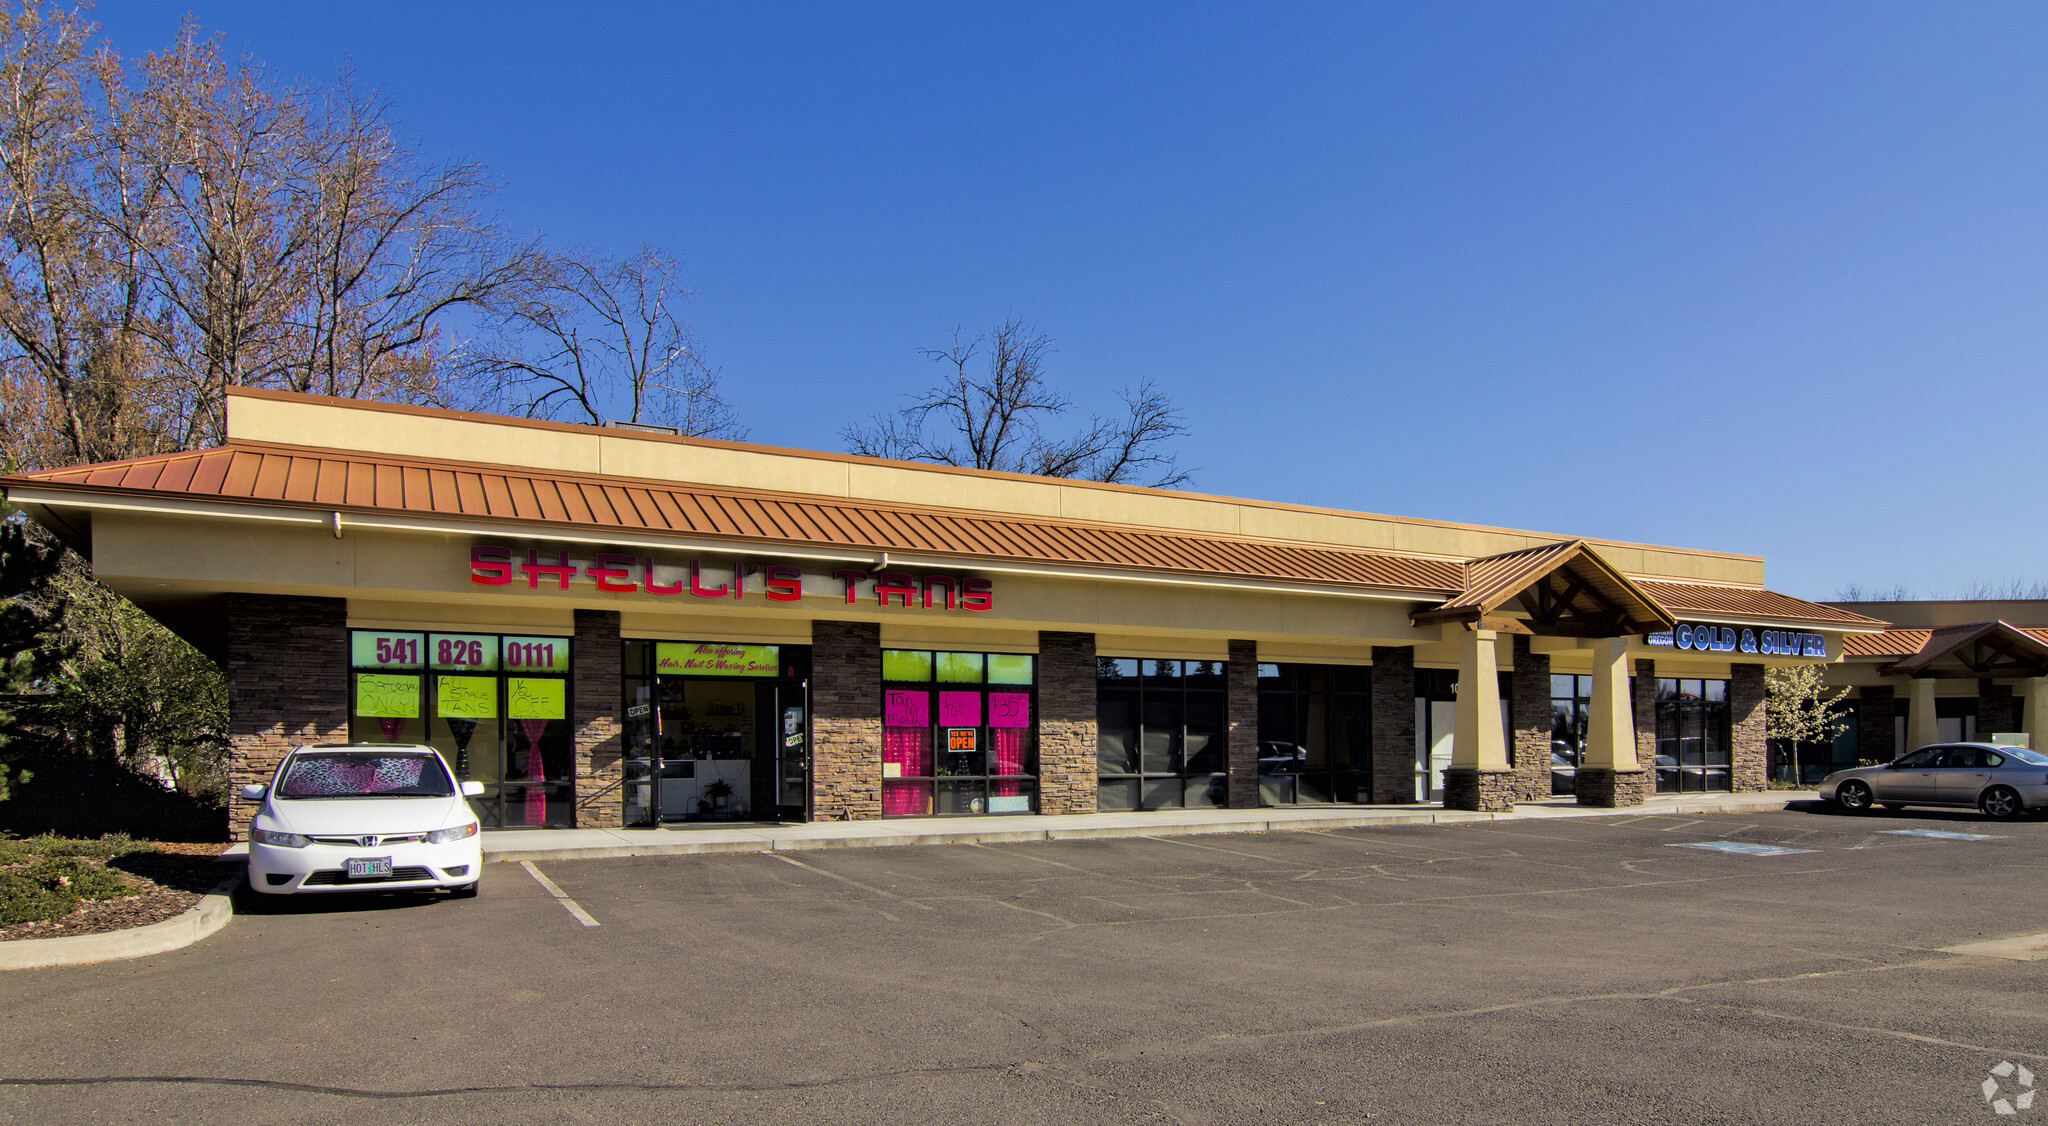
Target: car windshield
(321, 774)
(2035, 758)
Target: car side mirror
(472, 789)
(254, 792)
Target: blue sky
(1761, 278)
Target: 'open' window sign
(1722, 639)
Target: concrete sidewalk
(597, 844)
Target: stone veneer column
(1066, 722)
(595, 655)
(1529, 706)
(1876, 724)
(846, 721)
(1643, 703)
(1996, 709)
(1393, 723)
(287, 674)
(1746, 727)
(1241, 712)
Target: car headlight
(443, 836)
(273, 837)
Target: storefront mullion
(495, 705)
(1315, 734)
(1159, 734)
(959, 733)
(1694, 754)
(714, 731)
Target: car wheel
(1854, 796)
(2002, 802)
(466, 891)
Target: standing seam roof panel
(213, 469)
(469, 492)
(330, 486)
(497, 495)
(271, 472)
(301, 474)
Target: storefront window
(495, 706)
(1693, 749)
(1571, 700)
(959, 733)
(1160, 734)
(714, 731)
(1315, 734)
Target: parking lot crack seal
(492, 1089)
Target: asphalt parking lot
(1566, 971)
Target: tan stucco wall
(366, 427)
(395, 578)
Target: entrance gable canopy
(1983, 649)
(1566, 590)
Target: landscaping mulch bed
(168, 884)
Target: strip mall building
(611, 627)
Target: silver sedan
(2002, 781)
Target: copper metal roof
(2024, 653)
(1739, 602)
(1493, 580)
(1894, 642)
(305, 477)
(328, 479)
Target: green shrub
(24, 900)
(81, 879)
(106, 848)
(51, 886)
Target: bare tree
(1856, 592)
(186, 223)
(71, 296)
(989, 409)
(592, 338)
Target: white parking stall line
(568, 904)
(1938, 834)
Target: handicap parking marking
(1940, 834)
(1743, 847)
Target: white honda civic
(357, 817)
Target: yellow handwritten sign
(387, 696)
(531, 697)
(466, 697)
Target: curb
(1016, 834)
(198, 923)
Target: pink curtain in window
(909, 748)
(1009, 752)
(906, 797)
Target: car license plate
(369, 866)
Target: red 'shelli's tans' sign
(499, 565)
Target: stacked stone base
(1613, 789)
(1480, 791)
